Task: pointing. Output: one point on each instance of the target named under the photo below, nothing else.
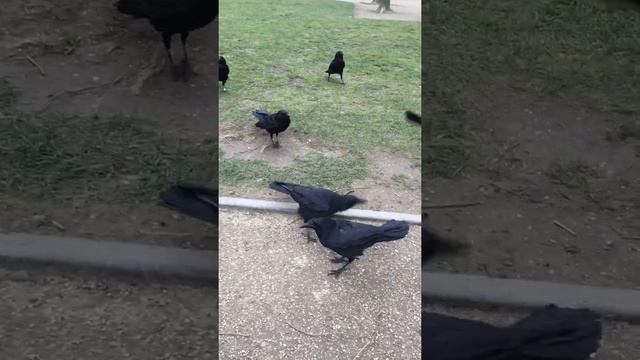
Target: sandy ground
(514, 230)
(621, 340)
(277, 302)
(402, 10)
(51, 317)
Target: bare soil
(63, 317)
(560, 196)
(81, 58)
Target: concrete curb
(292, 208)
(109, 255)
(622, 303)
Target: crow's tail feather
(134, 8)
(550, 333)
(411, 116)
(197, 201)
(560, 333)
(260, 114)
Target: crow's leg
(328, 77)
(339, 259)
(187, 70)
(337, 273)
(341, 79)
(277, 140)
(309, 236)
(166, 40)
(224, 88)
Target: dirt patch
(149, 224)
(93, 58)
(296, 81)
(394, 186)
(83, 59)
(275, 70)
(246, 142)
(517, 231)
(104, 319)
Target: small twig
(234, 334)
(303, 332)
(75, 92)
(449, 206)
(563, 227)
(371, 341)
(458, 170)
(617, 231)
(57, 225)
(34, 63)
(362, 349)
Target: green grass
(269, 44)
(8, 94)
(77, 159)
(581, 52)
(337, 173)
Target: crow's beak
(361, 201)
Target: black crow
(336, 66)
(223, 71)
(315, 202)
(550, 333)
(171, 17)
(197, 201)
(349, 239)
(273, 123)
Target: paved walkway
(277, 302)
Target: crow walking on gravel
(349, 239)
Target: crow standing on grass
(315, 202)
(349, 239)
(272, 123)
(197, 201)
(336, 66)
(171, 17)
(223, 71)
(550, 333)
